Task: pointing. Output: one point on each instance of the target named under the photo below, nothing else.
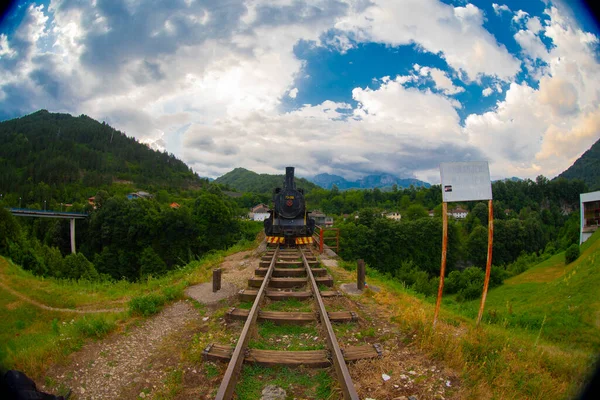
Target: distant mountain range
(586, 168)
(244, 180)
(327, 181)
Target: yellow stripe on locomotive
(281, 240)
(304, 240)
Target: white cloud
(543, 131)
(293, 93)
(534, 25)
(33, 26)
(440, 78)
(455, 32)
(341, 43)
(498, 9)
(486, 92)
(520, 17)
(5, 50)
(531, 44)
(391, 129)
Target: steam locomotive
(288, 222)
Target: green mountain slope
(557, 301)
(586, 168)
(59, 149)
(247, 181)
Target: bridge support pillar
(72, 226)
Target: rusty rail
(232, 373)
(339, 363)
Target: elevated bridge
(71, 216)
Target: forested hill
(586, 168)
(59, 149)
(247, 181)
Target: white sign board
(466, 181)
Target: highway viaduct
(71, 216)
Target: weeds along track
(287, 294)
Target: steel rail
(336, 353)
(232, 373)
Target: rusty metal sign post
(465, 181)
(443, 266)
(488, 266)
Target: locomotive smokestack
(289, 178)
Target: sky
(346, 87)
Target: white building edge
(589, 208)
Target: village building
(396, 216)
(589, 206)
(260, 212)
(458, 213)
(320, 218)
(139, 195)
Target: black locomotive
(289, 223)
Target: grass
(289, 305)
(32, 338)
(539, 339)
(551, 300)
(298, 383)
(287, 337)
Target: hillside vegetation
(538, 339)
(243, 180)
(552, 300)
(586, 168)
(55, 157)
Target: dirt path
(137, 363)
(45, 307)
(125, 365)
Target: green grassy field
(31, 338)
(551, 300)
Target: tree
(9, 230)
(480, 211)
(216, 224)
(151, 263)
(572, 254)
(76, 266)
(415, 212)
(477, 244)
(404, 202)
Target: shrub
(151, 263)
(146, 305)
(572, 253)
(93, 326)
(452, 283)
(173, 292)
(76, 266)
(468, 283)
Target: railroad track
(286, 274)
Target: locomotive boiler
(288, 222)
